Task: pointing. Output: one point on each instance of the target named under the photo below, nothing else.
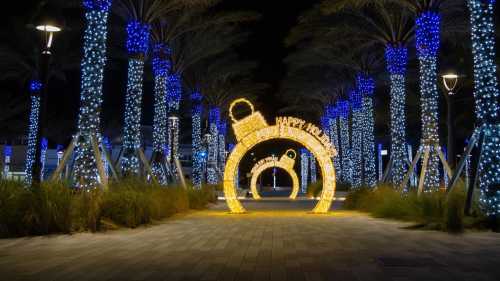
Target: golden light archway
(254, 129)
(286, 162)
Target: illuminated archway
(254, 129)
(286, 162)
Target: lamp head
(450, 82)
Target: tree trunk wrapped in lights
(43, 156)
(92, 67)
(313, 168)
(222, 131)
(428, 42)
(345, 144)
(197, 149)
(161, 66)
(357, 138)
(304, 169)
(366, 87)
(397, 60)
(137, 46)
(486, 94)
(334, 137)
(213, 142)
(35, 88)
(174, 94)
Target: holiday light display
(174, 94)
(161, 66)
(7, 154)
(222, 130)
(366, 86)
(312, 168)
(334, 136)
(213, 151)
(35, 88)
(345, 144)
(428, 43)
(286, 163)
(397, 60)
(43, 156)
(173, 124)
(486, 94)
(197, 149)
(356, 151)
(92, 67)
(137, 46)
(253, 130)
(304, 170)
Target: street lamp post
(48, 31)
(450, 82)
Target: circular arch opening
(253, 130)
(257, 173)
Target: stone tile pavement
(288, 244)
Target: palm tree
(220, 82)
(389, 26)
(487, 95)
(140, 15)
(93, 63)
(20, 61)
(193, 38)
(219, 38)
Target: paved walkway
(263, 245)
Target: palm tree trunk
(334, 136)
(369, 168)
(304, 169)
(356, 152)
(345, 143)
(487, 95)
(160, 70)
(35, 87)
(428, 41)
(213, 151)
(174, 93)
(222, 131)
(397, 60)
(196, 113)
(132, 128)
(93, 63)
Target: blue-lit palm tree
(224, 80)
(140, 15)
(93, 63)
(487, 95)
(20, 62)
(388, 26)
(382, 24)
(216, 43)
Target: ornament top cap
(240, 101)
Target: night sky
(266, 44)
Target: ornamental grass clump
(431, 210)
(55, 207)
(133, 202)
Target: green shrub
(86, 211)
(199, 198)
(14, 204)
(133, 202)
(454, 212)
(435, 210)
(56, 208)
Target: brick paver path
(263, 245)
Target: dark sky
(266, 43)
